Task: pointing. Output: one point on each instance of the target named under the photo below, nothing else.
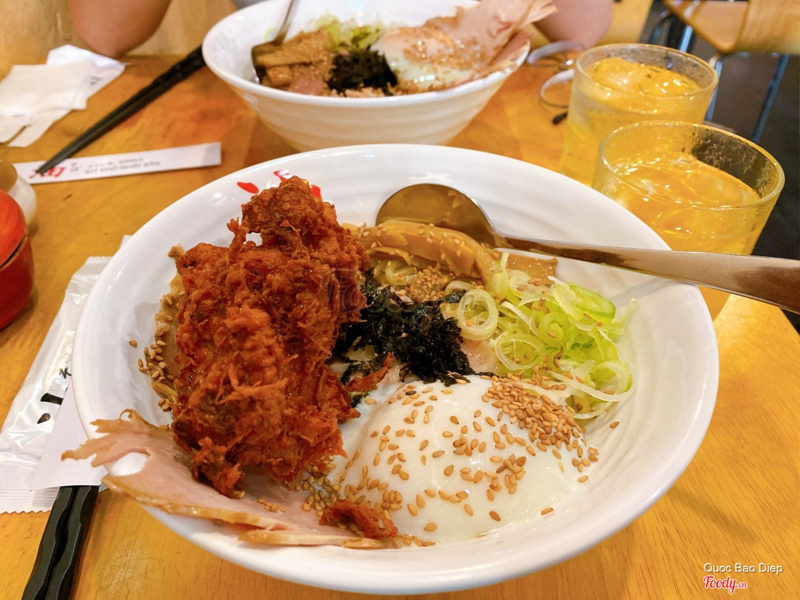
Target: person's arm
(113, 27)
(582, 20)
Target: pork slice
(165, 482)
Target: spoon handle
(772, 280)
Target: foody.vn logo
(729, 583)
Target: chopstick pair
(175, 74)
(61, 544)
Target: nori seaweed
(416, 333)
(356, 68)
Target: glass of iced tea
(627, 83)
(699, 187)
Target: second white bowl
(313, 122)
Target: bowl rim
(245, 85)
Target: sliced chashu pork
(165, 482)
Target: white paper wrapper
(26, 428)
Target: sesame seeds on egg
(448, 463)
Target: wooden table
(736, 503)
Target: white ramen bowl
(669, 342)
(312, 122)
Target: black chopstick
(61, 544)
(175, 74)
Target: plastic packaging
(35, 407)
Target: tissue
(33, 97)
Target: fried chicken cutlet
(255, 327)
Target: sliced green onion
(477, 315)
(580, 302)
(457, 285)
(555, 329)
(589, 390)
(398, 273)
(613, 375)
(497, 285)
(566, 329)
(518, 351)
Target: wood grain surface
(737, 503)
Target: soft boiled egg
(451, 463)
(425, 58)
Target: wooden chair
(771, 26)
(628, 18)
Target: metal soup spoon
(772, 280)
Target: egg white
(383, 431)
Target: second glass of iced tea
(701, 188)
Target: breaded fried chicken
(256, 326)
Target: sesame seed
(430, 527)
(548, 510)
(494, 515)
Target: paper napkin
(33, 97)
